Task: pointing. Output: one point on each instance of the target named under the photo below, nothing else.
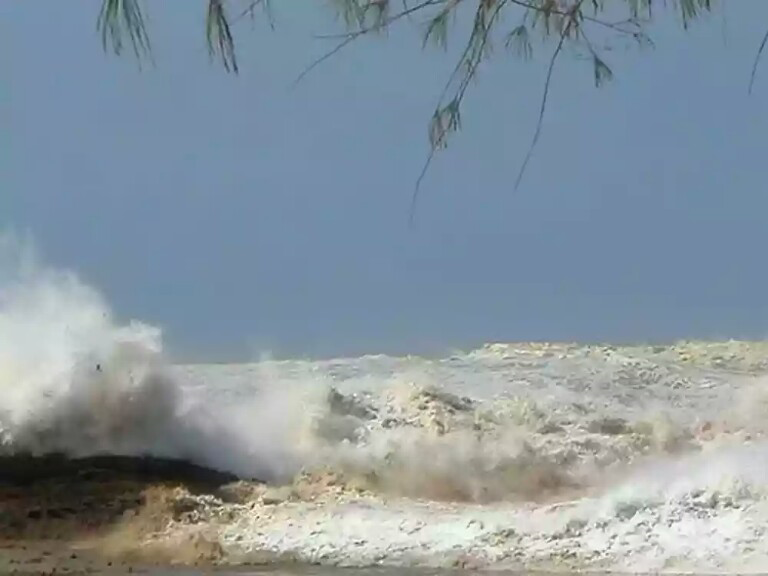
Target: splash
(74, 380)
(594, 457)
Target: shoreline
(79, 515)
(539, 459)
(167, 517)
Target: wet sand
(89, 515)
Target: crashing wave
(514, 455)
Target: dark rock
(24, 469)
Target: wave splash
(76, 381)
(638, 448)
(73, 380)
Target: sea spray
(74, 380)
(629, 458)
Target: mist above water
(75, 380)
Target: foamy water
(528, 455)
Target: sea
(546, 456)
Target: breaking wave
(610, 455)
(75, 381)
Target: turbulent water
(513, 455)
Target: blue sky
(244, 215)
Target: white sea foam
(512, 455)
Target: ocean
(513, 456)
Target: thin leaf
(445, 121)
(437, 29)
(219, 36)
(377, 14)
(519, 41)
(602, 72)
(757, 61)
(123, 16)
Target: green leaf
(602, 72)
(123, 16)
(219, 35)
(437, 29)
(445, 121)
(352, 12)
(519, 41)
(379, 14)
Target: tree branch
(350, 37)
(439, 141)
(545, 96)
(757, 62)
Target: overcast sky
(243, 215)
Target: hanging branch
(567, 22)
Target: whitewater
(524, 455)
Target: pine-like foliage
(521, 27)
